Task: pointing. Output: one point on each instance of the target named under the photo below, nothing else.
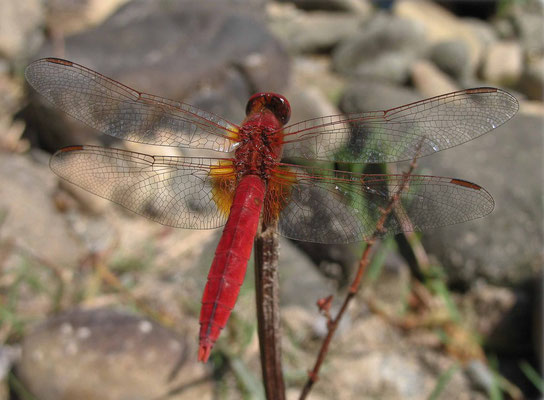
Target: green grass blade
(247, 379)
(532, 375)
(443, 380)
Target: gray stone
(301, 284)
(384, 49)
(530, 27)
(309, 102)
(482, 30)
(504, 247)
(314, 72)
(314, 32)
(532, 80)
(20, 28)
(441, 25)
(430, 81)
(66, 17)
(452, 57)
(210, 54)
(373, 360)
(31, 219)
(503, 63)
(108, 355)
(370, 96)
(504, 28)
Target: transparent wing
(175, 191)
(394, 135)
(339, 207)
(125, 113)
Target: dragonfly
(265, 170)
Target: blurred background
(99, 303)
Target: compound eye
(281, 108)
(276, 103)
(254, 102)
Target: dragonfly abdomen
(230, 262)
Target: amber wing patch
(223, 179)
(278, 193)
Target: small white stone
(83, 332)
(66, 328)
(145, 326)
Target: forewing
(402, 133)
(174, 191)
(339, 207)
(125, 113)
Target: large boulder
(504, 247)
(109, 355)
(211, 55)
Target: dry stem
(268, 313)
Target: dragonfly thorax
(260, 145)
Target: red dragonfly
(250, 182)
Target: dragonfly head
(274, 102)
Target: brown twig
(313, 375)
(268, 313)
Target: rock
(384, 50)
(309, 102)
(372, 360)
(315, 72)
(452, 57)
(20, 28)
(213, 55)
(31, 220)
(370, 96)
(530, 27)
(120, 356)
(314, 32)
(440, 25)
(532, 80)
(301, 284)
(482, 31)
(503, 63)
(504, 28)
(431, 81)
(504, 247)
(66, 17)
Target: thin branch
(313, 375)
(268, 312)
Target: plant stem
(268, 312)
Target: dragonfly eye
(272, 101)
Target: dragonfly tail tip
(204, 352)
